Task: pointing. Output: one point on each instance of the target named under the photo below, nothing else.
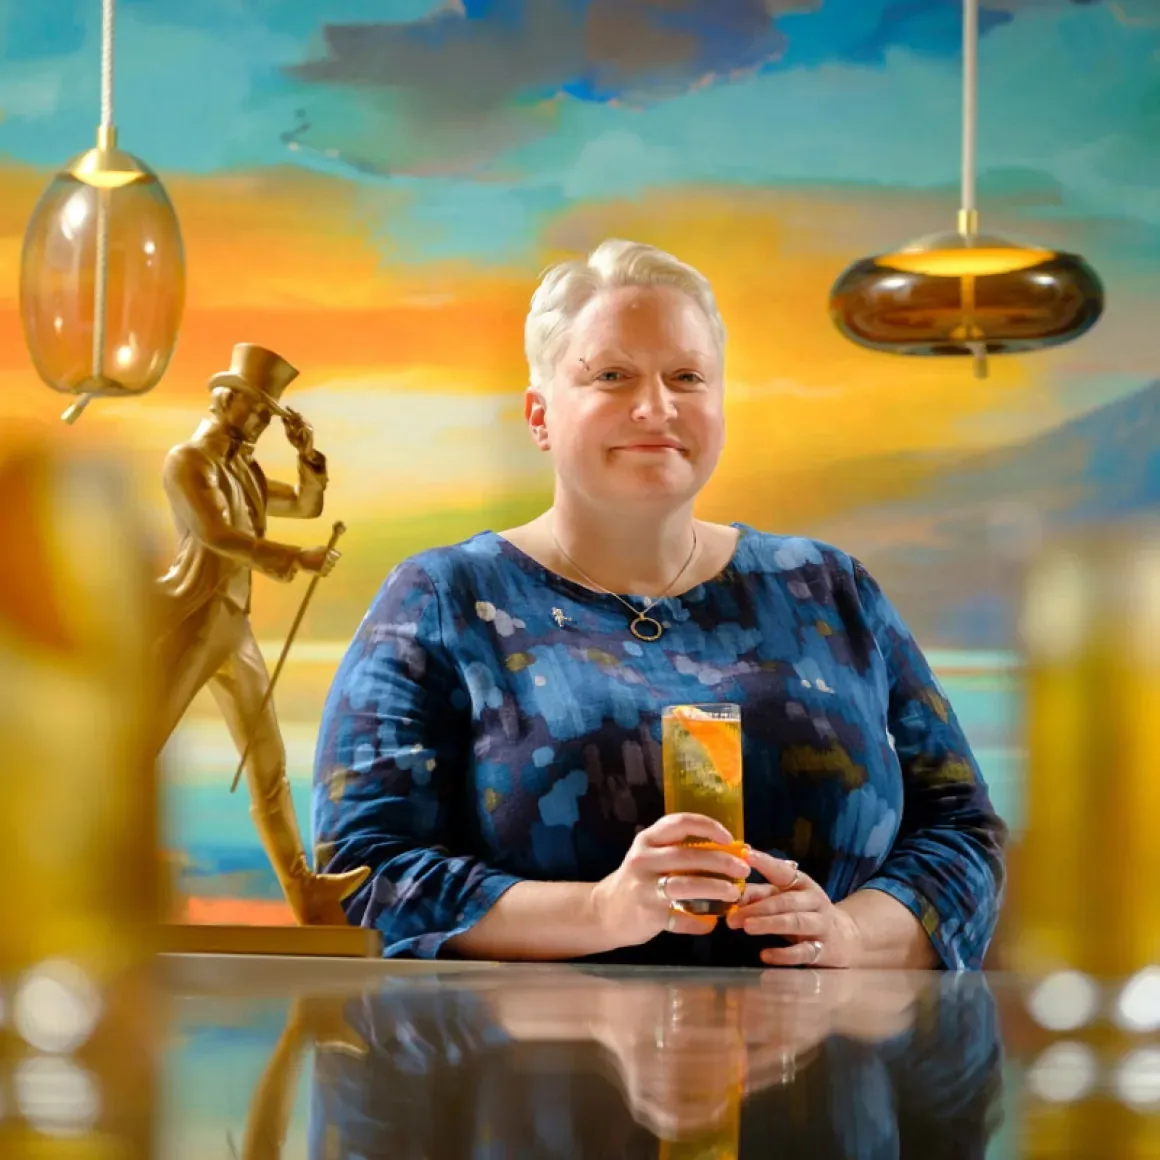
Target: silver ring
(662, 888)
(817, 950)
(671, 925)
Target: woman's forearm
(886, 934)
(537, 920)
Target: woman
(491, 743)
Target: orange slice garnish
(718, 739)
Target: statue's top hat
(258, 372)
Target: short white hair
(566, 288)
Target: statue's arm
(199, 504)
(304, 500)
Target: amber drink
(702, 772)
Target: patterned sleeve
(389, 778)
(946, 865)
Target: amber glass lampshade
(102, 279)
(966, 294)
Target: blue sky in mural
(502, 111)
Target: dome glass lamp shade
(964, 292)
(968, 295)
(102, 277)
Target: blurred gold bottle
(1087, 898)
(78, 810)
(1061, 739)
(1106, 1117)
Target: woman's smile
(652, 448)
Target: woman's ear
(536, 413)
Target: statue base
(346, 942)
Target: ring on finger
(817, 949)
(663, 888)
(671, 923)
(796, 876)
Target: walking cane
(339, 528)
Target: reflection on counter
(278, 1060)
(576, 1064)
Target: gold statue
(220, 499)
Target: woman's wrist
(850, 935)
(884, 932)
(594, 917)
(541, 921)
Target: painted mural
(371, 187)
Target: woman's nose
(653, 400)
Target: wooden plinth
(347, 942)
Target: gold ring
(662, 888)
(796, 875)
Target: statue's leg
(239, 687)
(187, 657)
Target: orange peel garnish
(717, 738)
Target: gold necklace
(643, 626)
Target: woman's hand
(793, 906)
(635, 902)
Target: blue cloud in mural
(484, 53)
(449, 92)
(483, 124)
(445, 94)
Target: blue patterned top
(493, 721)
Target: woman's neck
(641, 555)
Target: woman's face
(635, 410)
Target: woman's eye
(609, 376)
(690, 377)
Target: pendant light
(962, 292)
(102, 275)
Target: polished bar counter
(345, 1059)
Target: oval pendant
(645, 628)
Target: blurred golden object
(1085, 1099)
(1088, 901)
(79, 864)
(102, 277)
(78, 849)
